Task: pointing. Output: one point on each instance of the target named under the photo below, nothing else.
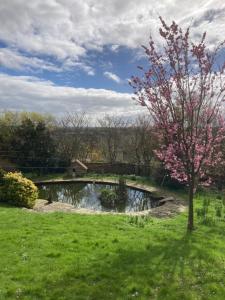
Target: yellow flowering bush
(19, 190)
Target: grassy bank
(69, 256)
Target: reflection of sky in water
(86, 195)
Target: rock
(156, 198)
(164, 200)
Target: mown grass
(71, 256)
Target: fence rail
(101, 168)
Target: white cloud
(69, 64)
(67, 29)
(14, 60)
(112, 76)
(32, 94)
(115, 48)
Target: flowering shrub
(18, 190)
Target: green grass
(70, 256)
(34, 176)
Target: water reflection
(87, 195)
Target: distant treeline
(36, 142)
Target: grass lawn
(71, 256)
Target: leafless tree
(111, 141)
(141, 140)
(72, 136)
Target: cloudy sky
(77, 55)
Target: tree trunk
(190, 225)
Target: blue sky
(105, 64)
(109, 69)
(77, 55)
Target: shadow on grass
(155, 272)
(6, 205)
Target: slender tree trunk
(190, 225)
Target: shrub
(108, 197)
(2, 173)
(19, 190)
(133, 177)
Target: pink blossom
(185, 104)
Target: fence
(100, 168)
(119, 168)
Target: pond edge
(169, 209)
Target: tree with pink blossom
(183, 88)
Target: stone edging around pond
(170, 207)
(130, 184)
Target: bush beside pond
(17, 190)
(117, 196)
(108, 197)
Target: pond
(90, 196)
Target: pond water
(88, 195)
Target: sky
(59, 56)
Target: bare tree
(141, 141)
(72, 136)
(112, 137)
